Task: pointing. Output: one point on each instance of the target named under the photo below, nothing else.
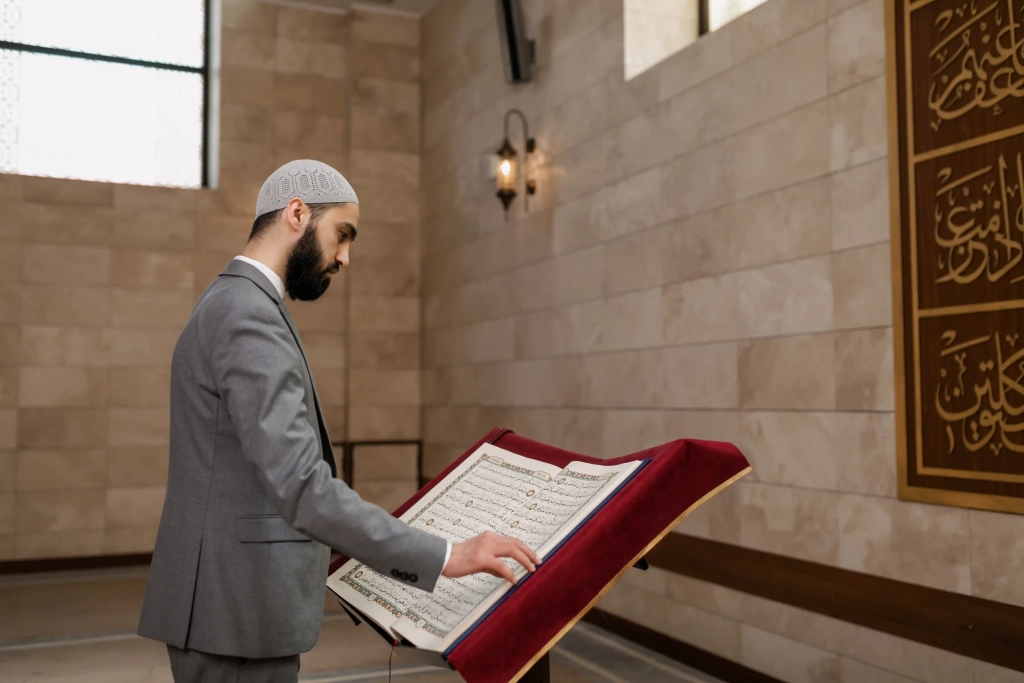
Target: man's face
(321, 251)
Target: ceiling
(417, 7)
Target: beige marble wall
(708, 257)
(97, 279)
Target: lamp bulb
(506, 167)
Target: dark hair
(263, 222)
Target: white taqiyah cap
(314, 182)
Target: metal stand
(539, 672)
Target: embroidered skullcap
(314, 182)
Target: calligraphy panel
(956, 96)
(967, 70)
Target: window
(657, 29)
(111, 90)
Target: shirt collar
(270, 274)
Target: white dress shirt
(279, 286)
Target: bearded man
(253, 506)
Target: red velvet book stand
(510, 643)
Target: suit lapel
(238, 268)
(325, 440)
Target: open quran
(492, 489)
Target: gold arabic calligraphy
(988, 410)
(976, 230)
(990, 53)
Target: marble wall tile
(310, 57)
(129, 539)
(43, 304)
(138, 506)
(990, 673)
(791, 448)
(860, 205)
(701, 310)
(388, 494)
(8, 429)
(789, 298)
(39, 512)
(61, 428)
(9, 390)
(866, 453)
(10, 344)
(788, 521)
(384, 462)
(67, 224)
(245, 122)
(141, 308)
(863, 286)
(771, 23)
(142, 347)
(385, 277)
(856, 45)
(790, 223)
(385, 314)
(384, 423)
(171, 199)
(785, 151)
(10, 262)
(138, 427)
(134, 466)
(619, 209)
(246, 50)
(384, 387)
(376, 27)
(996, 547)
(324, 350)
(785, 77)
(717, 519)
(134, 268)
(151, 228)
(699, 181)
(74, 543)
(140, 386)
(6, 514)
(858, 121)
(40, 387)
(59, 470)
(8, 470)
(788, 372)
(787, 659)
(294, 128)
(66, 191)
(256, 18)
(65, 264)
(899, 539)
(399, 351)
(629, 431)
(864, 370)
(703, 629)
(10, 302)
(308, 24)
(389, 241)
(394, 62)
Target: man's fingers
(501, 569)
(519, 556)
(528, 551)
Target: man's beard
(305, 276)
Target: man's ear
(293, 214)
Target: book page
(542, 521)
(484, 493)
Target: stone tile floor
(81, 627)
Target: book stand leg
(539, 672)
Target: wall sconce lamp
(507, 165)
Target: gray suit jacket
(252, 505)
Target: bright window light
(109, 90)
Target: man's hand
(483, 553)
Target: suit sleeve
(257, 370)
